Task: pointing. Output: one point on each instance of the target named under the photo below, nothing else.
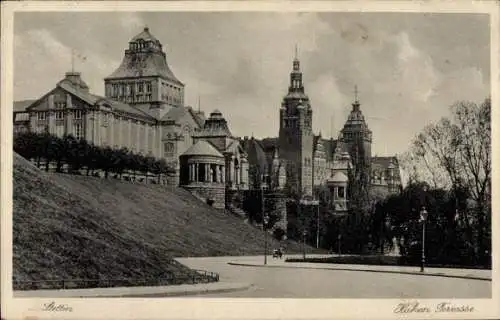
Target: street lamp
(304, 233)
(265, 222)
(339, 238)
(423, 219)
(316, 203)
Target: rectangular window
(78, 114)
(59, 115)
(168, 149)
(105, 122)
(42, 115)
(341, 192)
(60, 105)
(79, 131)
(149, 87)
(141, 87)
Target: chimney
(76, 80)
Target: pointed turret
(296, 88)
(358, 139)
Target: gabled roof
(202, 148)
(92, 99)
(198, 116)
(21, 105)
(256, 155)
(83, 95)
(233, 147)
(175, 113)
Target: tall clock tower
(296, 135)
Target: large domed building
(143, 110)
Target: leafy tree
(455, 154)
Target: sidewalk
(474, 274)
(161, 291)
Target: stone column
(98, 138)
(146, 137)
(223, 173)
(112, 141)
(196, 172)
(207, 172)
(153, 142)
(129, 138)
(68, 116)
(241, 173)
(228, 172)
(236, 177)
(138, 137)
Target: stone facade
(216, 131)
(143, 108)
(313, 162)
(296, 135)
(203, 173)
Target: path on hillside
(272, 282)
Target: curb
(471, 277)
(186, 292)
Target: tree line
(448, 166)
(44, 148)
(454, 155)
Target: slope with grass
(68, 226)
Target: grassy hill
(68, 226)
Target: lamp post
(304, 233)
(423, 218)
(339, 238)
(316, 203)
(302, 218)
(265, 218)
(265, 222)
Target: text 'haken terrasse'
(416, 307)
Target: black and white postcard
(249, 160)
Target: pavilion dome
(202, 148)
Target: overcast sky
(408, 67)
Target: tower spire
(356, 104)
(296, 52)
(199, 103)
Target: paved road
(314, 283)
